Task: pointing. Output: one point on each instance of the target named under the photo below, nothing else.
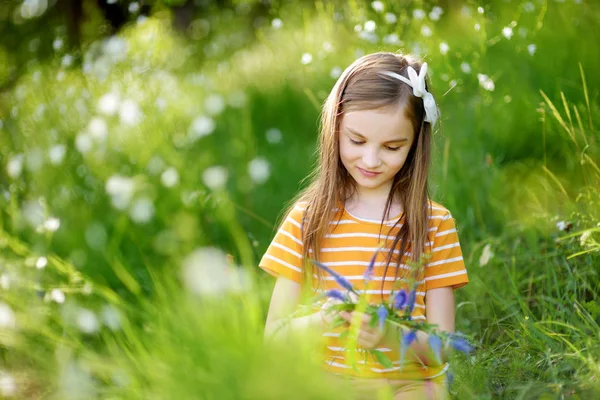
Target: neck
(373, 201)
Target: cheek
(396, 160)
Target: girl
(369, 192)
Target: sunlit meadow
(148, 148)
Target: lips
(368, 173)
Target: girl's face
(374, 145)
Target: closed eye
(392, 148)
(356, 142)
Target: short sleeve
(284, 255)
(446, 266)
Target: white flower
(465, 67)
(335, 72)
(8, 387)
(214, 104)
(41, 262)
(277, 23)
(115, 48)
(426, 31)
(444, 48)
(273, 135)
(368, 36)
(84, 143)
(206, 272)
(4, 281)
(418, 13)
(67, 60)
(201, 126)
(7, 316)
(57, 154)
(33, 8)
(51, 224)
(529, 7)
(328, 47)
(215, 177)
(584, 238)
(87, 322)
(111, 317)
(392, 38)
(97, 128)
(170, 177)
(142, 210)
(34, 159)
(33, 212)
(57, 44)
(390, 18)
(306, 58)
(14, 167)
(134, 7)
(486, 82)
(370, 26)
(531, 49)
(259, 170)
(121, 190)
(477, 27)
(486, 255)
(130, 112)
(436, 13)
(57, 295)
(109, 104)
(377, 6)
(480, 10)
(507, 32)
(561, 225)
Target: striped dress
(348, 249)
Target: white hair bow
(417, 83)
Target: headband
(417, 83)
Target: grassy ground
(120, 147)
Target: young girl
(369, 192)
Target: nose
(371, 158)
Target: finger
(346, 316)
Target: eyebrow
(363, 137)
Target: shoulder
(296, 212)
(439, 215)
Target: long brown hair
(362, 87)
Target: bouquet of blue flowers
(397, 312)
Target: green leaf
(382, 359)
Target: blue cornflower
(338, 278)
(400, 300)
(369, 271)
(461, 344)
(382, 314)
(335, 294)
(405, 343)
(412, 297)
(436, 346)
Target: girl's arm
(284, 301)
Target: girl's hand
(328, 315)
(368, 337)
